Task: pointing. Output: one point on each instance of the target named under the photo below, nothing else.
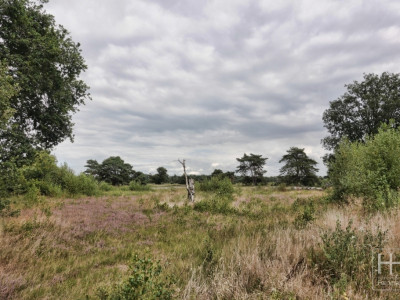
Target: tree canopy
(161, 176)
(298, 168)
(45, 64)
(7, 90)
(112, 170)
(362, 109)
(252, 167)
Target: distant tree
(45, 64)
(217, 172)
(112, 170)
(362, 109)
(140, 177)
(252, 166)
(92, 168)
(161, 176)
(298, 168)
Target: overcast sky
(207, 81)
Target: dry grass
(67, 248)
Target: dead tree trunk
(189, 183)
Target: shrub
(105, 186)
(146, 281)
(370, 170)
(346, 253)
(221, 186)
(306, 217)
(137, 186)
(222, 197)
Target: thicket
(221, 189)
(370, 170)
(44, 177)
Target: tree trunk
(189, 183)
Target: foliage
(45, 64)
(362, 109)
(7, 90)
(44, 177)
(112, 170)
(370, 170)
(222, 195)
(298, 168)
(308, 216)
(138, 186)
(253, 165)
(345, 251)
(146, 281)
(161, 176)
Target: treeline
(298, 169)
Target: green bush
(105, 186)
(345, 252)
(370, 170)
(220, 202)
(146, 281)
(308, 216)
(138, 186)
(219, 185)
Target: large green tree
(161, 176)
(7, 90)
(298, 168)
(45, 63)
(251, 167)
(360, 111)
(112, 170)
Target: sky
(208, 81)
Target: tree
(7, 90)
(112, 170)
(161, 176)
(45, 64)
(217, 172)
(298, 168)
(362, 109)
(253, 165)
(92, 168)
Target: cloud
(211, 80)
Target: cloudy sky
(210, 80)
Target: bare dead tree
(189, 183)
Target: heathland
(233, 242)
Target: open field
(266, 245)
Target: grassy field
(266, 244)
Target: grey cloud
(210, 80)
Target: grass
(72, 248)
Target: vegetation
(362, 109)
(369, 170)
(251, 167)
(298, 168)
(161, 176)
(148, 244)
(45, 64)
(112, 170)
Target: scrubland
(234, 243)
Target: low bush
(146, 281)
(138, 186)
(346, 253)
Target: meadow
(246, 243)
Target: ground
(258, 248)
